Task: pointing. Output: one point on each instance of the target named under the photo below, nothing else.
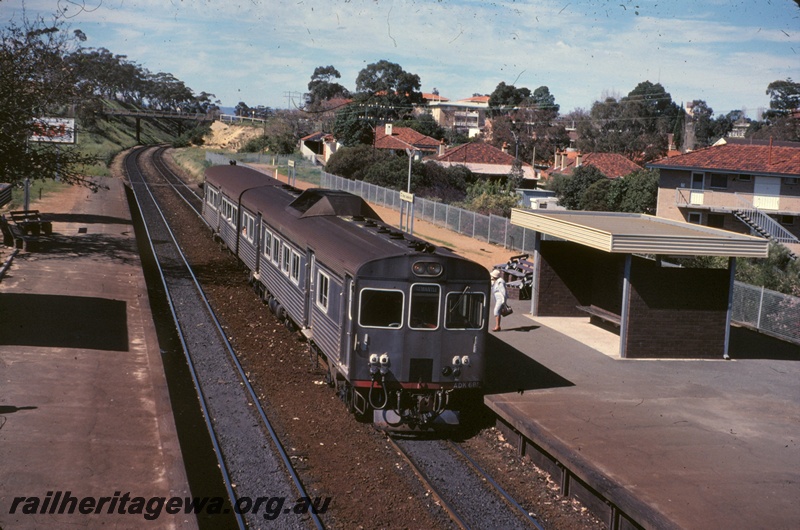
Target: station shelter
(614, 267)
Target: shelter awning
(633, 233)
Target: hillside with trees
(46, 73)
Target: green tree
(353, 126)
(352, 162)
(322, 86)
(784, 97)
(389, 90)
(635, 126)
(778, 272)
(596, 197)
(36, 81)
(506, 98)
(635, 193)
(425, 124)
(491, 197)
(570, 189)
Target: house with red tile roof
(749, 187)
(483, 159)
(612, 165)
(400, 139)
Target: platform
(667, 443)
(84, 407)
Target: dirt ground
(230, 137)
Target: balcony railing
(722, 200)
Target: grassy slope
(106, 138)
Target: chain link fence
(767, 311)
(490, 228)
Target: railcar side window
(276, 251)
(248, 226)
(323, 286)
(229, 211)
(287, 253)
(267, 244)
(424, 313)
(381, 308)
(295, 272)
(464, 310)
(212, 196)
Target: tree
(635, 126)
(352, 162)
(571, 188)
(36, 81)
(323, 88)
(425, 124)
(703, 123)
(596, 197)
(784, 97)
(506, 98)
(778, 272)
(353, 126)
(491, 197)
(389, 89)
(635, 193)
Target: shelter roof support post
(732, 279)
(626, 303)
(537, 267)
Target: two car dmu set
(401, 323)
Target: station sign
(406, 197)
(54, 130)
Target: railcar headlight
(384, 363)
(446, 371)
(456, 361)
(427, 268)
(465, 360)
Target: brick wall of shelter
(675, 312)
(571, 275)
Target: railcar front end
(419, 326)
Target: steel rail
(134, 169)
(446, 506)
(451, 508)
(246, 382)
(507, 496)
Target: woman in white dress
(500, 296)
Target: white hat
(495, 274)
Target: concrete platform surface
(84, 407)
(680, 443)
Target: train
(401, 324)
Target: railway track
(465, 492)
(472, 498)
(259, 478)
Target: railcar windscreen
(424, 312)
(381, 308)
(464, 310)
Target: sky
(263, 52)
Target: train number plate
(467, 384)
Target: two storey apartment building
(742, 186)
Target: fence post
(760, 305)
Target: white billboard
(56, 130)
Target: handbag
(505, 310)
